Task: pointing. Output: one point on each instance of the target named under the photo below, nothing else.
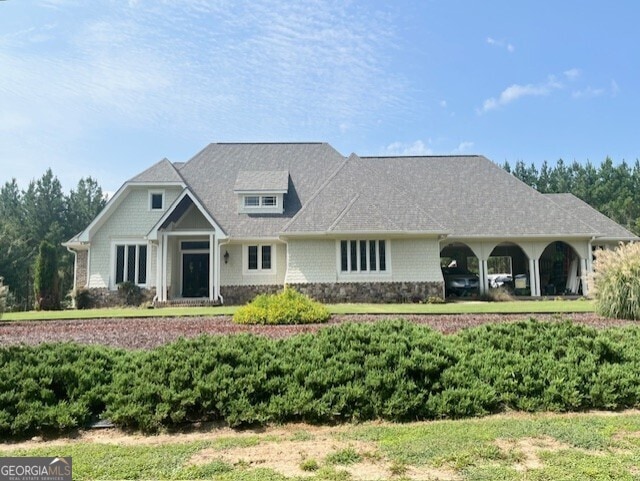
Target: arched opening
(460, 270)
(508, 268)
(560, 270)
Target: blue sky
(106, 88)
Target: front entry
(195, 275)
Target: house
(240, 219)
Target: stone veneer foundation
(374, 292)
(103, 297)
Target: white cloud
(416, 148)
(615, 89)
(588, 92)
(572, 74)
(463, 147)
(516, 91)
(443, 104)
(501, 44)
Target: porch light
(226, 257)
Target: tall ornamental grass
(616, 282)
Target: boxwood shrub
(286, 307)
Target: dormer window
(251, 201)
(261, 192)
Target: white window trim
(259, 270)
(164, 200)
(261, 208)
(358, 271)
(129, 242)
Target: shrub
(83, 299)
(392, 370)
(616, 282)
(435, 300)
(287, 307)
(46, 282)
(130, 293)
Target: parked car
(459, 282)
(500, 280)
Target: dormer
(261, 191)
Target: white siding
(231, 274)
(131, 220)
(410, 260)
(415, 260)
(311, 261)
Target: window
(252, 201)
(260, 201)
(131, 263)
(259, 258)
(194, 245)
(363, 256)
(269, 201)
(156, 200)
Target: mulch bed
(144, 333)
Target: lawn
(568, 447)
(460, 307)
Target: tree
(83, 205)
(47, 280)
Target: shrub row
(391, 370)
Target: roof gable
(160, 172)
(356, 199)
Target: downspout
(75, 273)
(219, 252)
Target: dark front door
(195, 275)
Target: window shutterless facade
(131, 263)
(259, 258)
(156, 200)
(367, 256)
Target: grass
(507, 447)
(460, 307)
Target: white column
(212, 259)
(159, 267)
(164, 266)
(532, 276)
(485, 274)
(481, 275)
(536, 263)
(584, 277)
(216, 295)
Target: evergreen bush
(392, 370)
(130, 293)
(616, 282)
(287, 307)
(46, 278)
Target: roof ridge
(344, 211)
(315, 194)
(430, 156)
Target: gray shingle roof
(212, 174)
(262, 180)
(163, 171)
(356, 199)
(472, 196)
(464, 196)
(600, 222)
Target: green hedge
(391, 370)
(286, 307)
